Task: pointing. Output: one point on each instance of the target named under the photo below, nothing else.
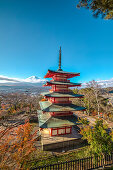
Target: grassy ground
(41, 158)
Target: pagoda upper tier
(52, 74)
(59, 95)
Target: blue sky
(31, 32)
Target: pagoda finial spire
(59, 69)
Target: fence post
(85, 165)
(82, 163)
(66, 165)
(61, 165)
(91, 163)
(53, 167)
(50, 166)
(95, 161)
(73, 165)
(99, 160)
(79, 164)
(103, 161)
(112, 157)
(58, 165)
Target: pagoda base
(62, 142)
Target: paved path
(92, 119)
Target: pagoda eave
(68, 84)
(65, 97)
(51, 73)
(47, 106)
(47, 121)
(61, 95)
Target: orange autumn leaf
(16, 145)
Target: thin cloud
(32, 79)
(4, 78)
(102, 83)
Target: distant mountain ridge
(33, 80)
(102, 83)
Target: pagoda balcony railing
(61, 102)
(60, 80)
(60, 91)
(61, 114)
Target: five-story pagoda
(57, 117)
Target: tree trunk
(98, 110)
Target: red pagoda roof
(69, 84)
(51, 73)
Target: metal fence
(80, 164)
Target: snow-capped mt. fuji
(34, 79)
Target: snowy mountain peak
(34, 79)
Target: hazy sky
(31, 32)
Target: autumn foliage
(98, 7)
(99, 137)
(44, 100)
(16, 146)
